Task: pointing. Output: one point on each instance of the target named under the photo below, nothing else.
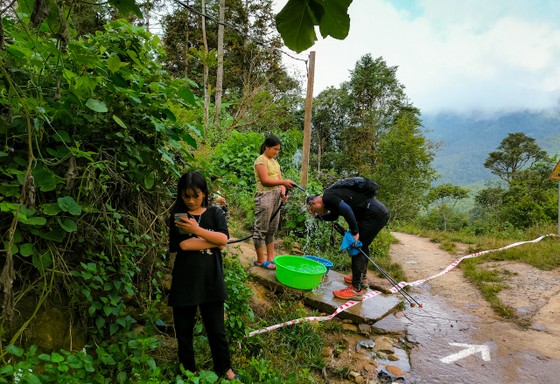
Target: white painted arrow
(469, 350)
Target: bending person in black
(197, 233)
(365, 217)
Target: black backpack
(366, 187)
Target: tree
(376, 100)
(220, 71)
(329, 117)
(445, 197)
(255, 83)
(404, 171)
(516, 151)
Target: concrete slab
(322, 299)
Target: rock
(370, 368)
(399, 315)
(393, 357)
(368, 344)
(383, 344)
(393, 370)
(364, 328)
(353, 374)
(356, 377)
(349, 327)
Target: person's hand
(221, 200)
(356, 238)
(288, 184)
(187, 224)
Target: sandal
(265, 265)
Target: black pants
(371, 221)
(213, 319)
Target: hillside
(466, 140)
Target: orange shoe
(350, 293)
(348, 279)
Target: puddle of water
(402, 363)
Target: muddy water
(441, 334)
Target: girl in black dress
(197, 233)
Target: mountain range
(465, 140)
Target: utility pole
(307, 120)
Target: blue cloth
(348, 244)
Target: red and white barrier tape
(343, 307)
(395, 289)
(403, 284)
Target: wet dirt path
(457, 337)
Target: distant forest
(465, 140)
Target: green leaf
(50, 209)
(26, 249)
(14, 350)
(126, 6)
(11, 190)
(96, 105)
(336, 21)
(69, 225)
(113, 328)
(121, 377)
(187, 96)
(44, 179)
(114, 63)
(16, 51)
(295, 22)
(31, 378)
(119, 121)
(62, 136)
(100, 322)
(68, 204)
(6, 370)
(44, 357)
(32, 220)
(107, 310)
(60, 152)
(8, 207)
(134, 57)
(42, 262)
(169, 115)
(3, 154)
(54, 235)
(56, 357)
(68, 74)
(149, 180)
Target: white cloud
(454, 55)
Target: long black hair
(270, 141)
(191, 180)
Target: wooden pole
(307, 120)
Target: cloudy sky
(458, 55)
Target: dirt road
(455, 315)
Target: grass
(300, 345)
(543, 255)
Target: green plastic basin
(299, 272)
